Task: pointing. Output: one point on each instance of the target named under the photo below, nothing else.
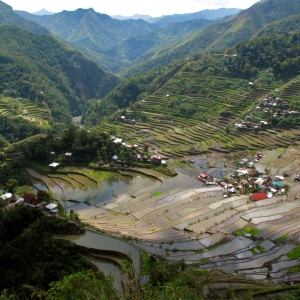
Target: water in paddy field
(39, 185)
(95, 240)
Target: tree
(11, 185)
(82, 285)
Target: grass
(214, 246)
(111, 212)
(261, 249)
(294, 254)
(294, 270)
(98, 175)
(145, 264)
(199, 251)
(158, 193)
(252, 231)
(153, 229)
(239, 232)
(282, 238)
(253, 251)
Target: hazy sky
(154, 8)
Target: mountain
(43, 12)
(9, 17)
(288, 25)
(211, 14)
(146, 18)
(93, 30)
(139, 45)
(46, 71)
(224, 34)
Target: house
(6, 196)
(52, 208)
(31, 200)
(202, 176)
(68, 155)
(278, 184)
(118, 141)
(157, 158)
(258, 197)
(54, 165)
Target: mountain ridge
(9, 17)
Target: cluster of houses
(247, 180)
(269, 106)
(155, 159)
(67, 156)
(30, 200)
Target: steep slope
(288, 25)
(225, 34)
(44, 70)
(9, 17)
(93, 30)
(210, 14)
(138, 45)
(190, 107)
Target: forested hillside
(47, 72)
(8, 16)
(88, 28)
(222, 35)
(288, 25)
(198, 101)
(140, 45)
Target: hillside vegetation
(222, 35)
(196, 103)
(9, 17)
(88, 28)
(48, 73)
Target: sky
(154, 8)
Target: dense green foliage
(139, 45)
(14, 129)
(127, 93)
(8, 16)
(29, 255)
(14, 170)
(91, 29)
(45, 71)
(222, 35)
(86, 146)
(288, 25)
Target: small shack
(157, 158)
(258, 196)
(54, 165)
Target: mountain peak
(43, 12)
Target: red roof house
(157, 158)
(31, 200)
(259, 196)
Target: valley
(165, 152)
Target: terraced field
(177, 134)
(201, 227)
(25, 109)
